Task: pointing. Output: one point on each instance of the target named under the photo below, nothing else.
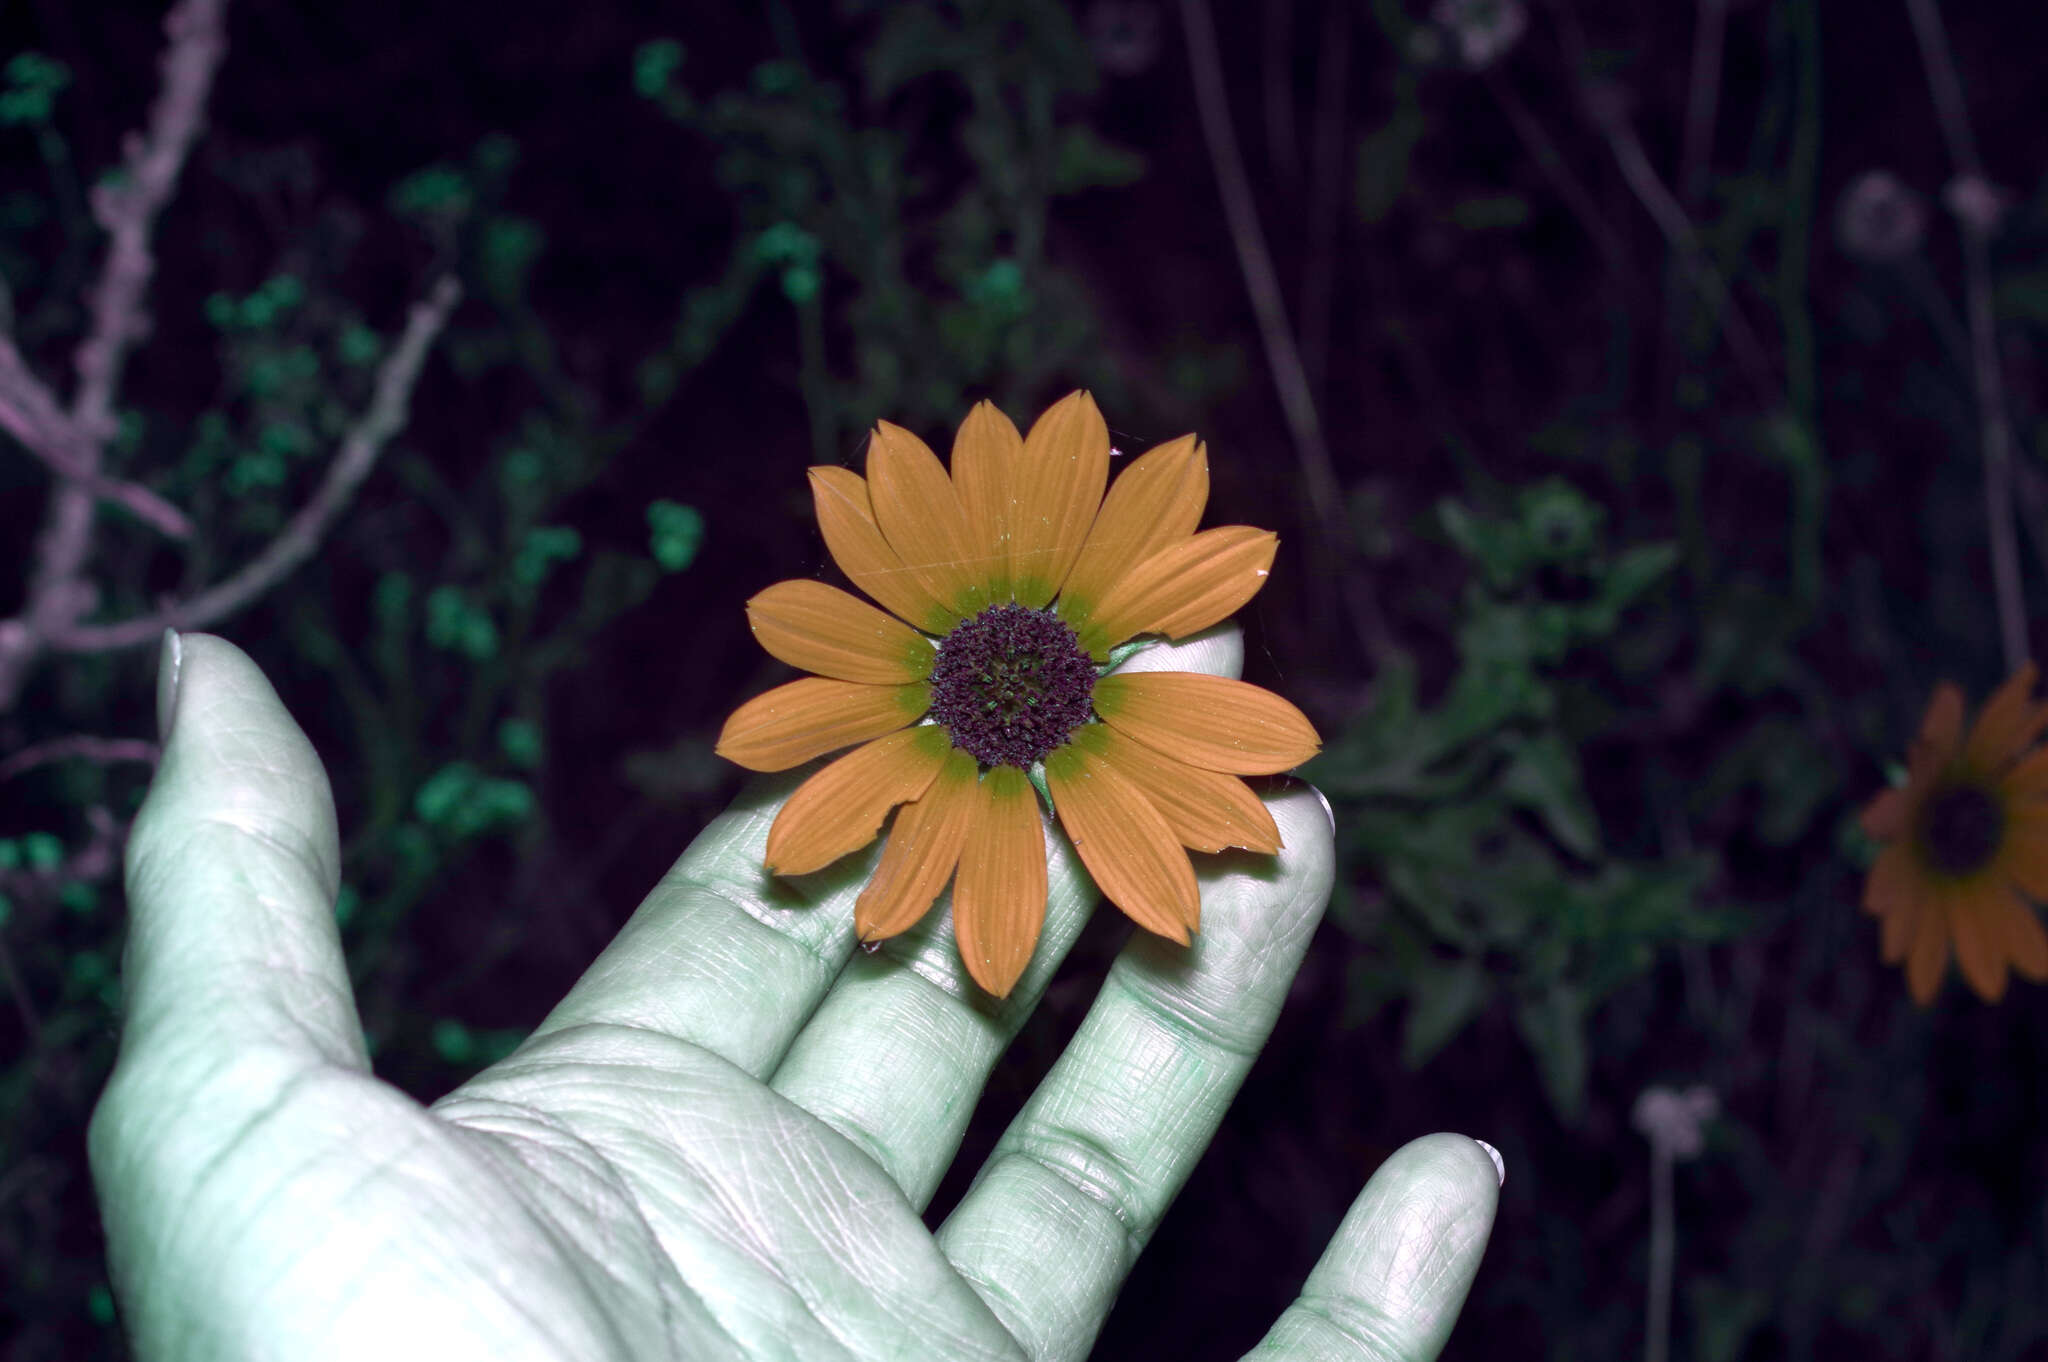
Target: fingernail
(1328, 812)
(169, 663)
(1500, 1167)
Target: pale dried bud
(1482, 30)
(1977, 203)
(1672, 1121)
(1123, 35)
(1879, 219)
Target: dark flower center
(1011, 684)
(1960, 828)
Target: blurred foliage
(917, 289)
(1495, 882)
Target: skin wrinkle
(587, 1160)
(796, 1163)
(1355, 1322)
(1090, 1169)
(374, 1174)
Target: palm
(718, 1145)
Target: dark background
(1610, 846)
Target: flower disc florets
(1011, 684)
(1960, 829)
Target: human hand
(720, 1143)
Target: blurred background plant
(1637, 389)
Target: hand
(719, 1144)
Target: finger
(721, 953)
(235, 992)
(902, 1046)
(1391, 1283)
(232, 869)
(1083, 1176)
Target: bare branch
(128, 206)
(1994, 423)
(80, 747)
(1262, 282)
(296, 543)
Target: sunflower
(987, 680)
(1964, 838)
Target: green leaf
(42, 851)
(1442, 999)
(1382, 172)
(654, 64)
(453, 1042)
(1553, 1025)
(1634, 571)
(520, 741)
(1082, 160)
(1544, 778)
(456, 624)
(675, 532)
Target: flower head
(1006, 585)
(1963, 839)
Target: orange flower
(1964, 838)
(1006, 586)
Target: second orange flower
(1005, 587)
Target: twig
(1555, 167)
(127, 207)
(1327, 176)
(1994, 427)
(1278, 86)
(1255, 262)
(1671, 220)
(1703, 97)
(297, 541)
(32, 416)
(82, 747)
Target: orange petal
(1884, 818)
(922, 849)
(1208, 721)
(1895, 895)
(2008, 723)
(2025, 942)
(1057, 490)
(1130, 852)
(1941, 729)
(1184, 587)
(1891, 883)
(791, 724)
(2029, 779)
(1975, 915)
(920, 516)
(825, 630)
(999, 894)
(1207, 810)
(841, 808)
(1930, 952)
(986, 453)
(2024, 857)
(847, 519)
(1156, 501)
